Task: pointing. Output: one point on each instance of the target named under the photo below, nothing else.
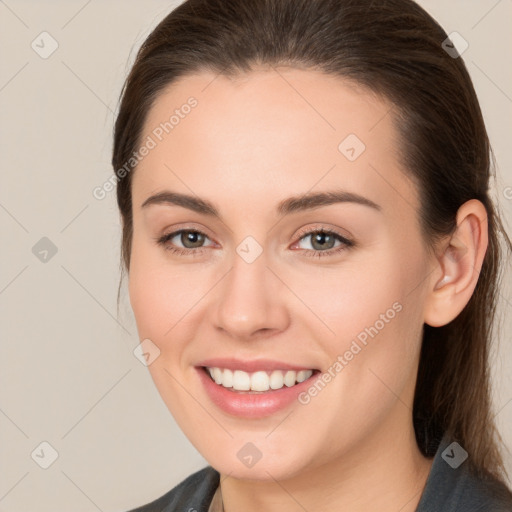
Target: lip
(247, 404)
(251, 366)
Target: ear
(458, 264)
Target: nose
(251, 301)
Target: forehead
(271, 133)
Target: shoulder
(471, 493)
(452, 487)
(193, 494)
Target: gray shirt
(450, 487)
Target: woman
(313, 256)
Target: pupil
(321, 238)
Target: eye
(192, 241)
(322, 242)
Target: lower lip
(251, 404)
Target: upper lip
(252, 365)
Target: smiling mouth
(260, 381)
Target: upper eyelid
(322, 228)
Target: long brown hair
(395, 49)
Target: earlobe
(459, 262)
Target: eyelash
(346, 244)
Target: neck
(382, 472)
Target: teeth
(259, 381)
(217, 375)
(276, 379)
(239, 380)
(302, 375)
(227, 378)
(289, 378)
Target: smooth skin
(250, 143)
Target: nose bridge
(246, 284)
(248, 300)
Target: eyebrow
(290, 205)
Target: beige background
(68, 374)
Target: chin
(261, 471)
(244, 461)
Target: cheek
(160, 298)
(370, 314)
(154, 293)
(166, 300)
(345, 300)
(146, 302)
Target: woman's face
(254, 287)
